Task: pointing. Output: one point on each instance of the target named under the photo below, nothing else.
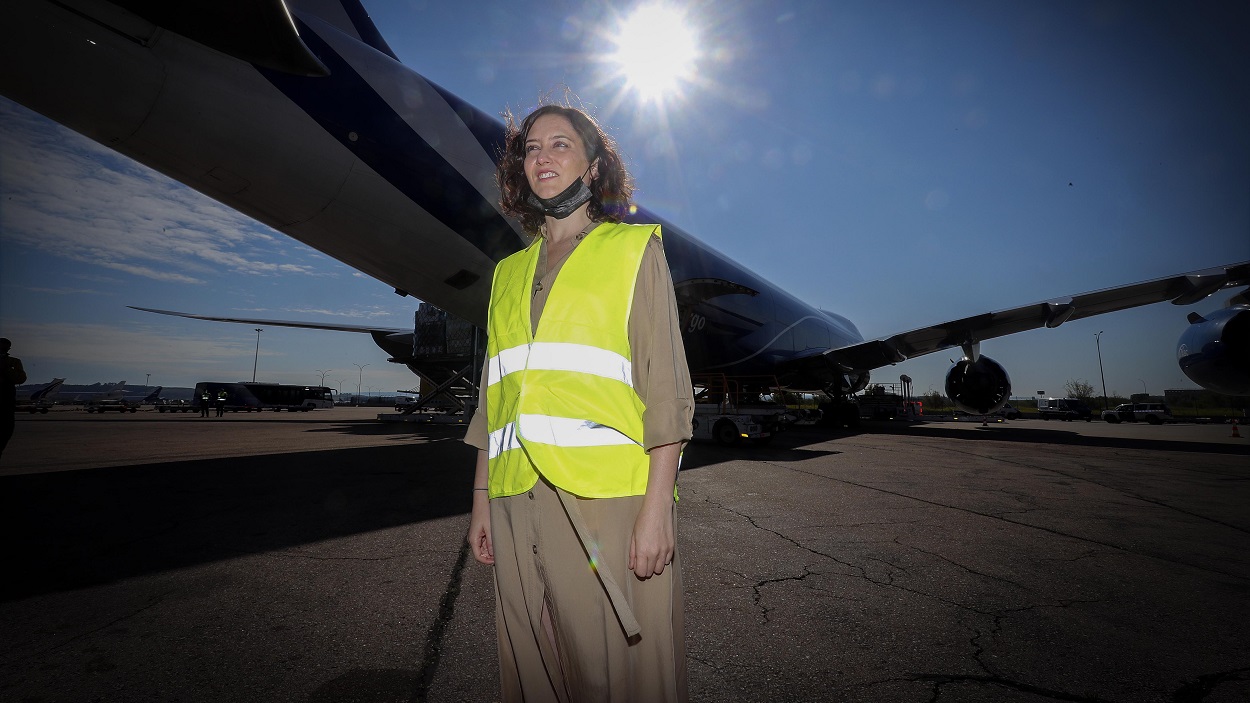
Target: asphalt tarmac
(318, 557)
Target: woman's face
(555, 156)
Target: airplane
(151, 398)
(116, 392)
(300, 115)
(40, 399)
(117, 396)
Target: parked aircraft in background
(307, 122)
(151, 398)
(40, 399)
(117, 392)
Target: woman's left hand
(653, 543)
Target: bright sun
(656, 51)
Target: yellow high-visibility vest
(560, 399)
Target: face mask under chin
(566, 202)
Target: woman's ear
(594, 169)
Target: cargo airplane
(300, 115)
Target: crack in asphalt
(992, 516)
(153, 601)
(321, 557)
(940, 680)
(1087, 479)
(863, 573)
(1193, 691)
(1198, 690)
(960, 566)
(438, 628)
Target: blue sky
(899, 163)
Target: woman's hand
(479, 529)
(652, 545)
(479, 523)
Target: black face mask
(564, 203)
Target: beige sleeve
(476, 435)
(661, 375)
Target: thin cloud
(75, 343)
(66, 291)
(356, 313)
(72, 198)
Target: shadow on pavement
(1038, 435)
(72, 529)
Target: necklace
(548, 261)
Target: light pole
(1143, 390)
(147, 383)
(257, 356)
(1098, 345)
(323, 374)
(359, 377)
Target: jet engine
(978, 385)
(1214, 351)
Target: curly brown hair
(610, 191)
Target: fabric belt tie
(624, 613)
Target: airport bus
(249, 396)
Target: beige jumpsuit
(540, 561)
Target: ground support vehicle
(1154, 413)
(104, 405)
(173, 406)
(447, 355)
(405, 401)
(1063, 409)
(883, 402)
(1008, 411)
(730, 410)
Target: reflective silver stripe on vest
(502, 440)
(561, 356)
(557, 431)
(569, 432)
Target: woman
(585, 405)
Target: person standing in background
(12, 375)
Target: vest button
(531, 494)
(536, 549)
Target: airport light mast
(323, 374)
(256, 358)
(359, 377)
(1098, 345)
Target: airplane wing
(284, 323)
(396, 341)
(1181, 289)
